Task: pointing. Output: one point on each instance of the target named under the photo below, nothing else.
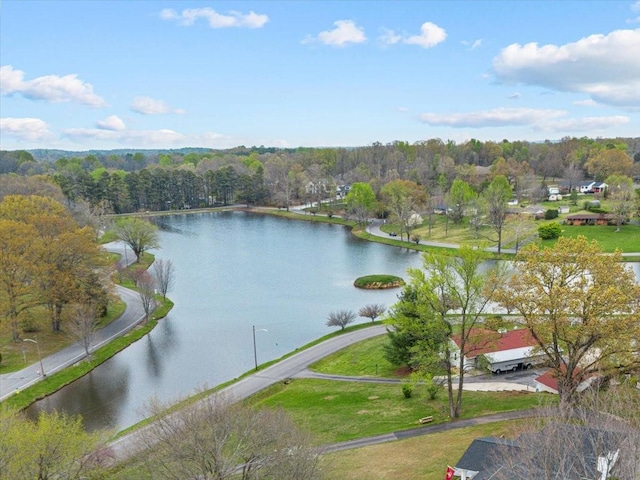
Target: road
(13, 382)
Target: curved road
(13, 382)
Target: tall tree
(403, 198)
(497, 195)
(138, 234)
(360, 202)
(164, 273)
(444, 285)
(621, 196)
(460, 195)
(19, 251)
(581, 306)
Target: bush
(407, 390)
(551, 214)
(549, 231)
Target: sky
(144, 74)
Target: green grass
(362, 359)
(378, 281)
(339, 411)
(626, 240)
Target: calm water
(233, 270)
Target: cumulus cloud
(346, 32)
(606, 67)
(151, 106)
(112, 122)
(585, 124)
(498, 117)
(162, 138)
(50, 88)
(30, 129)
(430, 35)
(215, 20)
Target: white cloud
(151, 106)
(163, 138)
(585, 103)
(514, 96)
(604, 66)
(430, 35)
(30, 129)
(498, 117)
(635, 7)
(346, 32)
(585, 124)
(389, 37)
(112, 122)
(216, 20)
(50, 88)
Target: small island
(378, 282)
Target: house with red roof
(548, 382)
(503, 350)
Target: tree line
(129, 182)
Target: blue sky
(81, 75)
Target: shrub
(407, 390)
(549, 231)
(551, 214)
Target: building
(502, 351)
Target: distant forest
(124, 181)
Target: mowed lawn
(420, 458)
(336, 411)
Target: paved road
(133, 315)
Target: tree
(568, 442)
(497, 195)
(609, 161)
(340, 318)
(581, 306)
(621, 196)
(372, 311)
(403, 198)
(82, 325)
(445, 284)
(360, 202)
(146, 286)
(138, 234)
(460, 195)
(164, 273)
(214, 439)
(19, 244)
(56, 446)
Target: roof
(482, 341)
(550, 380)
(483, 456)
(488, 455)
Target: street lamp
(255, 352)
(38, 349)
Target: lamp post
(38, 349)
(255, 351)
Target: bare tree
(146, 286)
(164, 273)
(340, 318)
(597, 438)
(82, 325)
(214, 439)
(372, 311)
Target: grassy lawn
(338, 411)
(421, 458)
(362, 359)
(626, 240)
